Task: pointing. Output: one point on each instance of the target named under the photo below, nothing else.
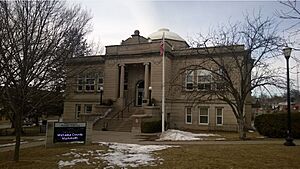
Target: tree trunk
(36, 121)
(241, 129)
(12, 121)
(18, 130)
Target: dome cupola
(168, 35)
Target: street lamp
(289, 139)
(150, 100)
(101, 94)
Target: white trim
(80, 84)
(77, 112)
(89, 78)
(188, 73)
(204, 115)
(100, 84)
(186, 122)
(219, 116)
(85, 107)
(203, 72)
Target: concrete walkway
(28, 141)
(128, 137)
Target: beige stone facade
(121, 79)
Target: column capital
(146, 63)
(121, 64)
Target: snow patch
(177, 135)
(41, 139)
(11, 144)
(132, 155)
(118, 154)
(62, 163)
(220, 139)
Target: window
(219, 116)
(89, 83)
(80, 80)
(219, 80)
(77, 110)
(87, 108)
(203, 115)
(189, 80)
(188, 115)
(99, 83)
(204, 79)
(220, 85)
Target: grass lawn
(42, 158)
(185, 156)
(231, 156)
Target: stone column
(146, 81)
(122, 80)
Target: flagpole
(163, 87)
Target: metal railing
(102, 117)
(121, 112)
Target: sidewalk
(28, 141)
(128, 137)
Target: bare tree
(234, 61)
(96, 47)
(36, 39)
(293, 12)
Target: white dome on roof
(168, 35)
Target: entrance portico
(134, 82)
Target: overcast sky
(115, 20)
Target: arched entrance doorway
(139, 90)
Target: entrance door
(139, 93)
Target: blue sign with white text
(69, 132)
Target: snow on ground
(118, 154)
(11, 144)
(62, 164)
(177, 135)
(40, 139)
(133, 155)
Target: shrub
(151, 127)
(275, 125)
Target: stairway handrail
(122, 111)
(102, 117)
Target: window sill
(188, 90)
(203, 124)
(203, 90)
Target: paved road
(127, 137)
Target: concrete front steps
(118, 124)
(109, 124)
